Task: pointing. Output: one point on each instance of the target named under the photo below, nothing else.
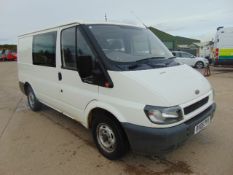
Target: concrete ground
(50, 143)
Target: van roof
(77, 23)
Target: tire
(109, 137)
(33, 102)
(199, 65)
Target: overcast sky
(197, 18)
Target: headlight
(163, 115)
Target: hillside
(162, 35)
(173, 41)
(183, 40)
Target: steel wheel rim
(31, 99)
(106, 138)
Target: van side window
(44, 49)
(83, 48)
(68, 48)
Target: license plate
(202, 125)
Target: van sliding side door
(43, 74)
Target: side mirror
(85, 66)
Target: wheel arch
(111, 113)
(26, 86)
(96, 106)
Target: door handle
(59, 76)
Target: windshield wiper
(150, 58)
(133, 66)
(172, 57)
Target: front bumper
(158, 140)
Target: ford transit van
(117, 80)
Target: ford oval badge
(197, 92)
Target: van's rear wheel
(33, 102)
(109, 137)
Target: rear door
(75, 94)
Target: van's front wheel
(33, 102)
(109, 137)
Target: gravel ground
(50, 143)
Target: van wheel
(33, 102)
(109, 137)
(199, 65)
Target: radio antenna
(105, 17)
(132, 13)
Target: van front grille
(195, 106)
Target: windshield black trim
(102, 60)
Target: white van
(223, 46)
(118, 80)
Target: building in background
(205, 49)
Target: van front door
(75, 94)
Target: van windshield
(125, 44)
